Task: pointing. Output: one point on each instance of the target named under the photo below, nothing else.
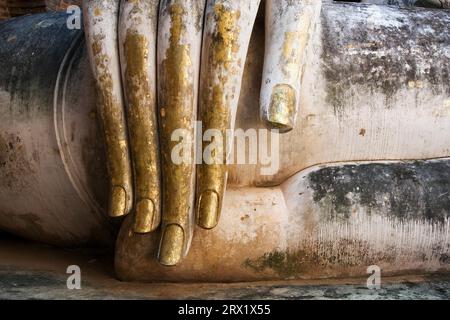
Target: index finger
(100, 20)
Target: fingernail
(208, 210)
(143, 220)
(118, 202)
(282, 109)
(172, 244)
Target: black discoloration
(410, 190)
(29, 64)
(384, 54)
(342, 257)
(402, 3)
(344, 254)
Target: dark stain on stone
(407, 190)
(316, 257)
(22, 280)
(362, 132)
(385, 57)
(29, 65)
(444, 259)
(339, 257)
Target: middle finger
(179, 45)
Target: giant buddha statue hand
(359, 177)
(154, 62)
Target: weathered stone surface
(42, 285)
(415, 190)
(43, 198)
(29, 271)
(371, 114)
